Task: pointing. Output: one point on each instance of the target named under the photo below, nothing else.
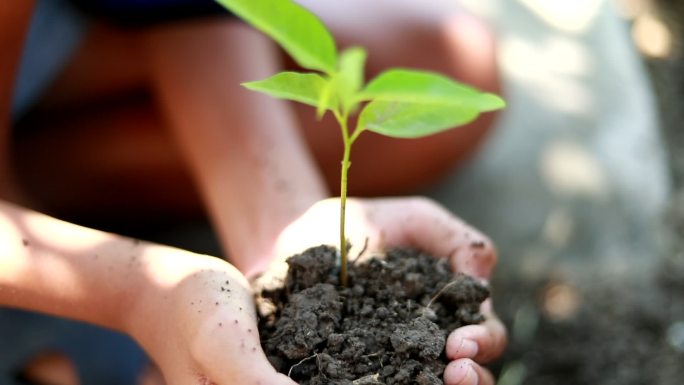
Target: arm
(58, 268)
(244, 149)
(172, 302)
(43, 265)
(32, 266)
(194, 314)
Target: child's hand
(198, 323)
(377, 224)
(425, 225)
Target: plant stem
(344, 280)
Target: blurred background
(581, 189)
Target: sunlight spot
(567, 56)
(535, 262)
(163, 270)
(486, 9)
(553, 69)
(652, 37)
(675, 335)
(561, 301)
(569, 16)
(569, 169)
(513, 374)
(525, 323)
(632, 8)
(60, 235)
(559, 227)
(556, 55)
(10, 245)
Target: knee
(470, 46)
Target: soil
(389, 326)
(602, 330)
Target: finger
(194, 377)
(251, 367)
(466, 372)
(182, 375)
(260, 378)
(252, 370)
(240, 358)
(482, 343)
(186, 378)
(228, 372)
(476, 257)
(436, 230)
(421, 223)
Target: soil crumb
(378, 330)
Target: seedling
(399, 103)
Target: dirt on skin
(389, 326)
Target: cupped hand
(374, 225)
(198, 323)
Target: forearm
(244, 149)
(58, 268)
(193, 314)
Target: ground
(581, 189)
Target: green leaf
(350, 77)
(297, 30)
(306, 88)
(410, 86)
(412, 120)
(325, 98)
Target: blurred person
(122, 121)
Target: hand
(379, 224)
(197, 321)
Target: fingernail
(468, 349)
(470, 378)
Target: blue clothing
(101, 356)
(58, 26)
(147, 12)
(55, 31)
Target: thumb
(222, 359)
(252, 375)
(251, 367)
(232, 354)
(256, 373)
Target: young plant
(399, 103)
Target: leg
(108, 62)
(442, 40)
(95, 144)
(106, 160)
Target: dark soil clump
(388, 327)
